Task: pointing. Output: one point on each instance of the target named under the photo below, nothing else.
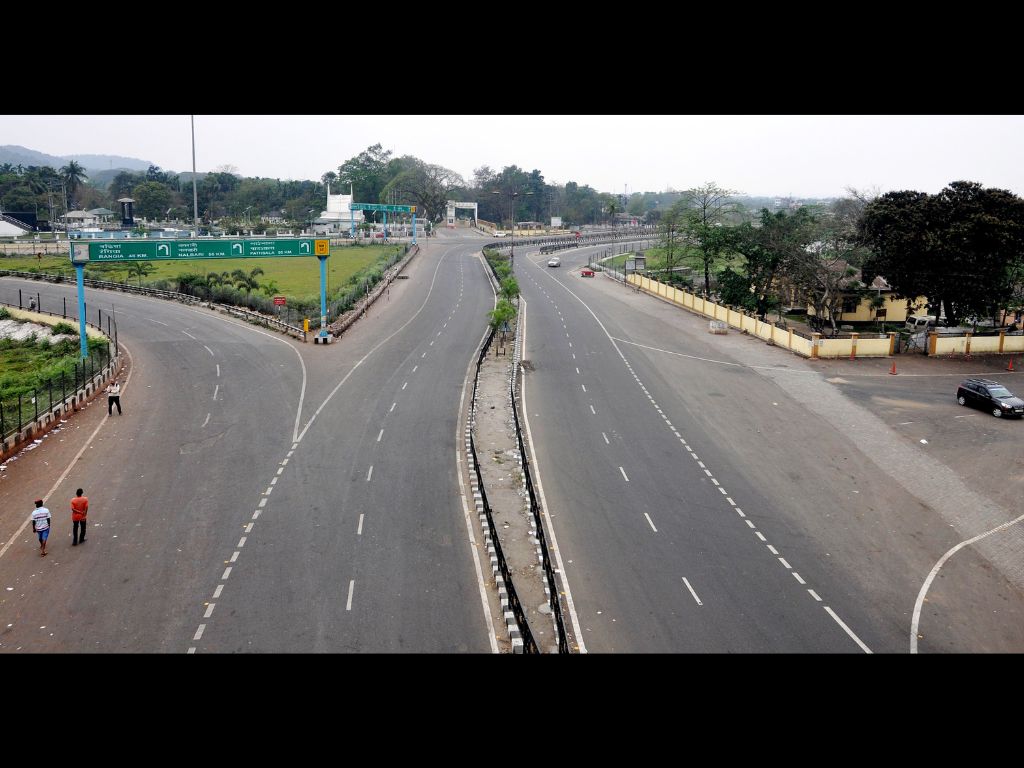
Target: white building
(338, 216)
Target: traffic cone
(1010, 366)
(893, 369)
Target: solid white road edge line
(687, 583)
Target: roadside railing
(529, 644)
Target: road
(700, 505)
(259, 494)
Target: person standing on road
(79, 512)
(113, 398)
(41, 525)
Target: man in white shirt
(41, 525)
(113, 398)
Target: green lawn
(295, 277)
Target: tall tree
(73, 175)
(770, 249)
(366, 172)
(707, 207)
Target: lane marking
(273, 481)
(263, 502)
(234, 556)
(707, 472)
(848, 630)
(687, 583)
(351, 588)
(199, 632)
(359, 530)
(289, 455)
(593, 411)
(227, 572)
(207, 421)
(773, 550)
(651, 522)
(423, 355)
(217, 591)
(241, 542)
(189, 335)
(733, 503)
(248, 528)
(623, 474)
(814, 594)
(740, 512)
(405, 385)
(584, 387)
(606, 438)
(215, 391)
(392, 407)
(156, 321)
(218, 370)
(751, 524)
(577, 370)
(787, 565)
(270, 489)
(760, 535)
(209, 610)
(280, 470)
(797, 577)
(414, 368)
(209, 350)
(369, 474)
(915, 622)
(380, 435)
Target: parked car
(554, 261)
(499, 234)
(991, 396)
(586, 272)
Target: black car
(990, 395)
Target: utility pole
(195, 194)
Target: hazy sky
(804, 156)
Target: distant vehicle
(379, 235)
(990, 396)
(586, 273)
(554, 261)
(499, 234)
(921, 322)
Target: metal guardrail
(529, 644)
(185, 298)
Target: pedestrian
(79, 513)
(113, 398)
(32, 303)
(41, 525)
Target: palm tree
(73, 175)
(140, 268)
(247, 282)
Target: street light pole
(195, 193)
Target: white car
(554, 261)
(499, 234)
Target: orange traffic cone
(1010, 366)
(893, 369)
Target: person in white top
(113, 398)
(41, 525)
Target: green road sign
(224, 248)
(386, 208)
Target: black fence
(529, 644)
(18, 411)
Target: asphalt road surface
(259, 494)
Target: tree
(428, 187)
(670, 242)
(152, 199)
(247, 282)
(509, 288)
(707, 207)
(140, 268)
(73, 175)
(366, 172)
(770, 249)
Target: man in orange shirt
(79, 512)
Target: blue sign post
(80, 280)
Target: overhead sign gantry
(353, 207)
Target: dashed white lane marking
(227, 572)
(414, 368)
(787, 565)
(570, 347)
(584, 387)
(190, 650)
(392, 407)
(773, 550)
(369, 474)
(218, 370)
(248, 528)
(438, 333)
(217, 591)
(284, 462)
(405, 385)
(740, 512)
(241, 542)
(209, 610)
(797, 577)
(733, 503)
(623, 474)
(215, 391)
(760, 535)
(280, 470)
(158, 322)
(714, 481)
(573, 355)
(209, 350)
(721, 489)
(423, 355)
(687, 583)
(351, 587)
(270, 489)
(289, 454)
(814, 595)
(751, 524)
(651, 522)
(294, 446)
(577, 371)
(359, 530)
(263, 503)
(273, 481)
(606, 438)
(443, 326)
(849, 631)
(593, 411)
(431, 343)
(190, 336)
(207, 421)
(199, 632)
(380, 435)
(707, 472)
(234, 556)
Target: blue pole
(323, 296)
(385, 226)
(414, 229)
(352, 214)
(80, 278)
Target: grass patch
(27, 365)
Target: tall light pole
(512, 210)
(195, 193)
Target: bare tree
(707, 206)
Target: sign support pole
(323, 296)
(80, 279)
(352, 215)
(414, 229)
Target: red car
(586, 273)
